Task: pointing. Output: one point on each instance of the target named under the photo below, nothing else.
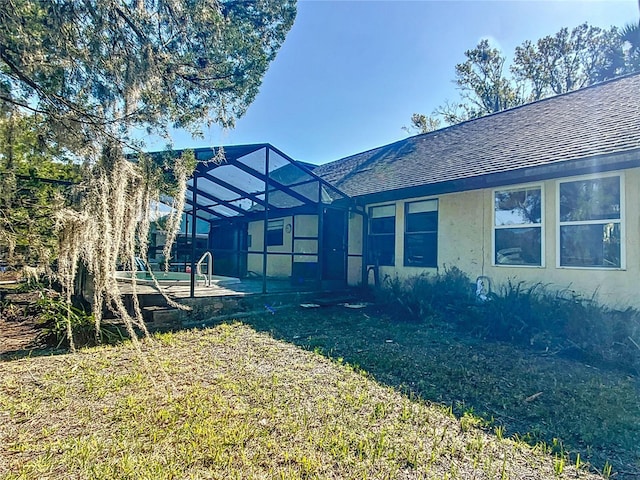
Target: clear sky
(351, 73)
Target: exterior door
(334, 245)
(229, 246)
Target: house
(545, 192)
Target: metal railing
(209, 267)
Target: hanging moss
(111, 227)
(112, 70)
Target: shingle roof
(599, 120)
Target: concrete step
(158, 317)
(204, 310)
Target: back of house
(546, 192)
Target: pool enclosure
(254, 213)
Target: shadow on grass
(572, 407)
(31, 353)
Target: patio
(264, 219)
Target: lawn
(536, 396)
(234, 402)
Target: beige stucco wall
(306, 226)
(280, 265)
(465, 223)
(354, 249)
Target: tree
(629, 52)
(553, 65)
(35, 181)
(630, 39)
(483, 87)
(567, 61)
(94, 68)
(422, 124)
(93, 71)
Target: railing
(141, 265)
(209, 267)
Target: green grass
(580, 410)
(231, 402)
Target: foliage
(94, 71)
(424, 296)
(112, 64)
(422, 124)
(112, 226)
(555, 64)
(483, 87)
(35, 182)
(568, 60)
(518, 313)
(534, 316)
(626, 57)
(39, 303)
(54, 316)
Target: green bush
(565, 322)
(520, 314)
(53, 312)
(426, 296)
(603, 335)
(535, 316)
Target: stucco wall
(280, 265)
(354, 250)
(306, 226)
(465, 240)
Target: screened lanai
(259, 216)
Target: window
(275, 233)
(421, 234)
(518, 227)
(382, 235)
(590, 226)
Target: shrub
(425, 296)
(603, 335)
(519, 313)
(52, 311)
(531, 315)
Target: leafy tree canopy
(94, 68)
(555, 64)
(89, 72)
(421, 123)
(78, 76)
(630, 51)
(35, 182)
(568, 60)
(483, 86)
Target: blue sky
(351, 73)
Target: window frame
(279, 225)
(406, 234)
(541, 225)
(621, 221)
(392, 235)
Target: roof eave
(568, 168)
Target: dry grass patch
(229, 402)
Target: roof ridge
(601, 119)
(535, 102)
(490, 115)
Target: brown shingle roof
(599, 120)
